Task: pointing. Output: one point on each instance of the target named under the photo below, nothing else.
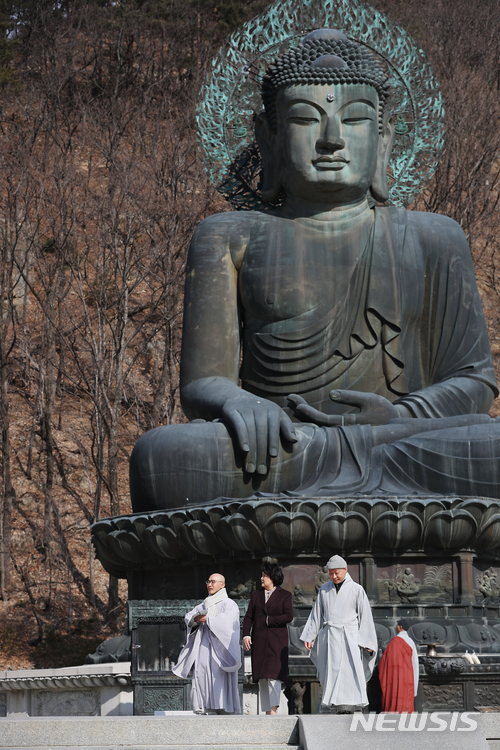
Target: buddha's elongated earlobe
(266, 141)
(379, 188)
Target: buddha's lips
(334, 160)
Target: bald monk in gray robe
(212, 654)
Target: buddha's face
(327, 140)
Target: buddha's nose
(330, 139)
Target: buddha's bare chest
(281, 280)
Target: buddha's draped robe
(451, 458)
(212, 657)
(409, 325)
(341, 628)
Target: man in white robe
(212, 654)
(340, 635)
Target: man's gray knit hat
(336, 562)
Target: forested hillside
(100, 190)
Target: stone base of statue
(434, 561)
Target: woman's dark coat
(269, 639)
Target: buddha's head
(325, 135)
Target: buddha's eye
(358, 113)
(355, 120)
(303, 120)
(302, 115)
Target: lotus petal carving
(239, 533)
(162, 541)
(114, 566)
(318, 509)
(384, 634)
(489, 534)
(126, 545)
(101, 529)
(177, 518)
(291, 505)
(215, 513)
(428, 632)
(481, 509)
(125, 523)
(371, 510)
(140, 524)
(260, 511)
(397, 530)
(290, 531)
(450, 529)
(200, 538)
(424, 508)
(200, 514)
(344, 531)
(296, 524)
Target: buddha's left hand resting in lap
(357, 333)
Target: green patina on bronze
(230, 98)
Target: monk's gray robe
(212, 657)
(341, 627)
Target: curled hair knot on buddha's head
(325, 56)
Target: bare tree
(7, 343)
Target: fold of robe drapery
(447, 456)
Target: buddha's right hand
(257, 424)
(372, 409)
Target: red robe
(395, 671)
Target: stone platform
(104, 690)
(248, 733)
(87, 690)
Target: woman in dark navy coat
(266, 620)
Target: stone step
(243, 733)
(158, 747)
(383, 732)
(149, 733)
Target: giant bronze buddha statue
(329, 346)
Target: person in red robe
(398, 672)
